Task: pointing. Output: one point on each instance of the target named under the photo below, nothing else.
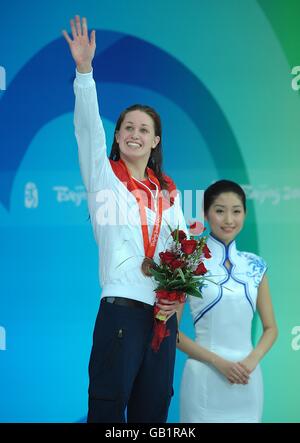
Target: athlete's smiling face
(136, 136)
(226, 216)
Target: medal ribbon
(149, 245)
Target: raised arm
(94, 164)
(82, 48)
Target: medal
(149, 243)
(146, 266)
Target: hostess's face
(226, 216)
(136, 136)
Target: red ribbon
(160, 326)
(149, 245)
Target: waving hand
(81, 46)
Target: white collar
(221, 252)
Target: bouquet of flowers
(181, 272)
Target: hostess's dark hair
(155, 159)
(217, 188)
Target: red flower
(206, 251)
(175, 264)
(178, 234)
(164, 294)
(196, 228)
(201, 269)
(167, 257)
(188, 246)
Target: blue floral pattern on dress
(257, 266)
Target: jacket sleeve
(94, 164)
(181, 219)
(178, 220)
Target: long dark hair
(217, 188)
(155, 159)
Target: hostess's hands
(82, 48)
(249, 363)
(235, 372)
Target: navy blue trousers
(125, 375)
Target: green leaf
(194, 292)
(158, 276)
(120, 264)
(158, 271)
(181, 273)
(175, 283)
(170, 227)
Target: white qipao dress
(222, 320)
